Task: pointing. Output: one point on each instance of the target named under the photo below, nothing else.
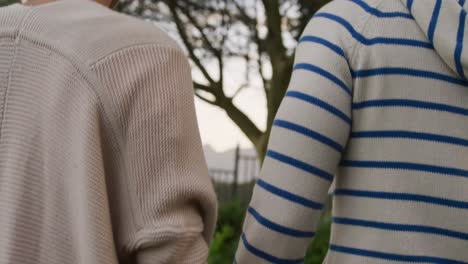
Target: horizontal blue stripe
(325, 43)
(322, 104)
(324, 73)
(434, 18)
(268, 257)
(411, 135)
(279, 228)
(289, 196)
(394, 257)
(378, 13)
(309, 133)
(403, 197)
(405, 166)
(411, 103)
(401, 227)
(300, 165)
(378, 40)
(407, 72)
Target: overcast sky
(217, 130)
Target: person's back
(379, 98)
(100, 156)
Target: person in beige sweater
(100, 155)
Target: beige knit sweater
(100, 155)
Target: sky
(216, 128)
(218, 131)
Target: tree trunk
(282, 68)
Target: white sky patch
(216, 128)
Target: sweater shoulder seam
(90, 78)
(366, 21)
(119, 51)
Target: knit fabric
(100, 155)
(378, 102)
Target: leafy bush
(319, 247)
(228, 231)
(8, 2)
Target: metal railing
(236, 183)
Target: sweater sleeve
(171, 198)
(308, 137)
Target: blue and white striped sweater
(378, 102)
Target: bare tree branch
(204, 88)
(260, 43)
(236, 93)
(246, 125)
(207, 42)
(274, 41)
(219, 30)
(204, 99)
(245, 17)
(188, 45)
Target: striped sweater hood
(447, 37)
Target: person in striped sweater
(378, 103)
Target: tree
(260, 33)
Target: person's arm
(172, 203)
(307, 140)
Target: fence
(236, 183)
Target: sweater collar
(444, 23)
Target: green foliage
(319, 247)
(228, 231)
(8, 2)
(231, 213)
(224, 246)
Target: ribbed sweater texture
(100, 155)
(377, 103)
